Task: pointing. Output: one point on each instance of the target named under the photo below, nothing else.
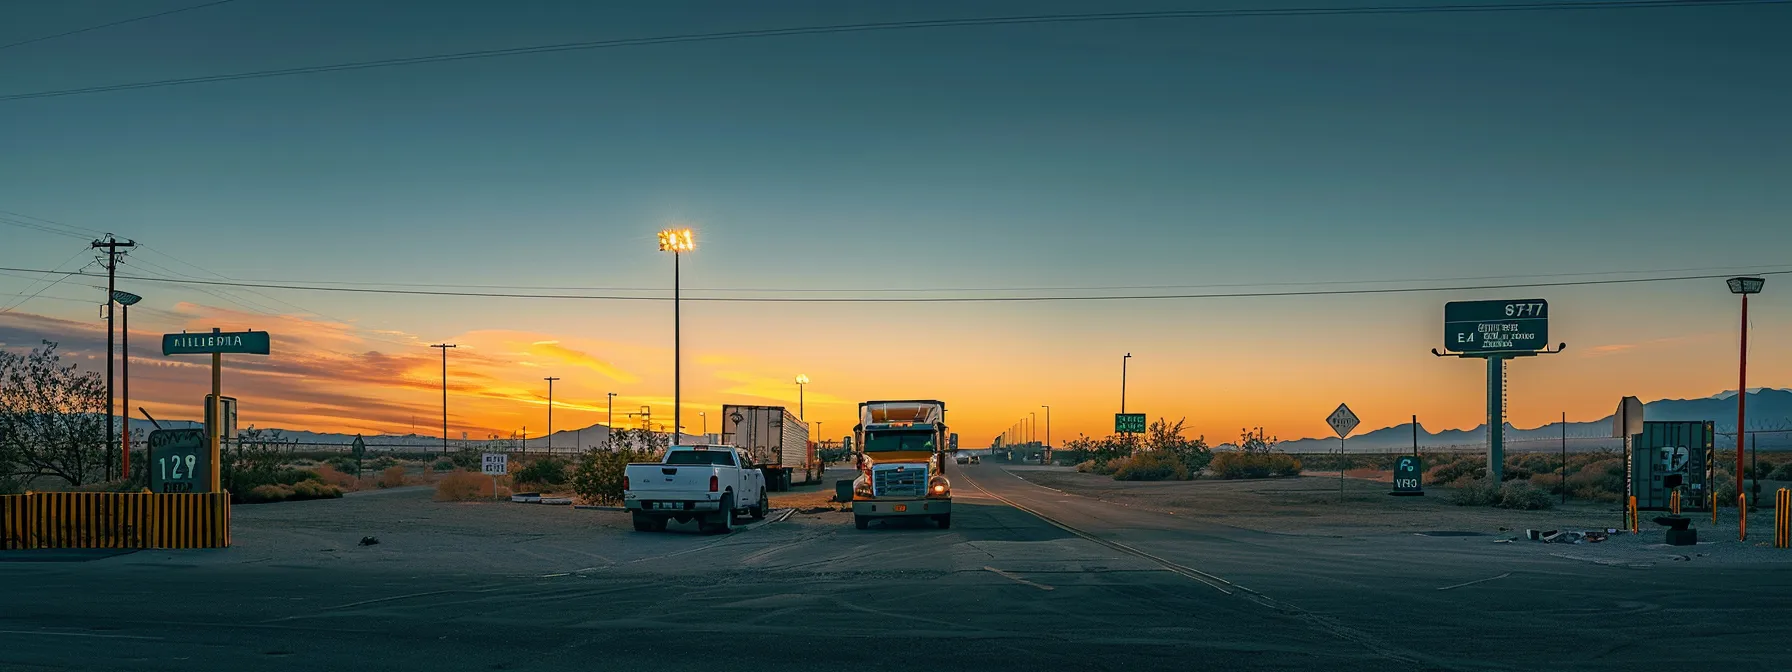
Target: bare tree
(52, 419)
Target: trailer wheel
(861, 522)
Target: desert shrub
(1601, 480)
(391, 477)
(1456, 469)
(344, 464)
(1086, 466)
(468, 458)
(382, 463)
(314, 490)
(333, 476)
(1522, 496)
(1550, 483)
(463, 486)
(1477, 493)
(545, 471)
(1150, 466)
(1781, 473)
(444, 464)
(598, 477)
(262, 494)
(1254, 465)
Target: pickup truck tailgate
(647, 480)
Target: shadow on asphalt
(63, 555)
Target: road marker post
(1674, 502)
(1630, 514)
(1713, 508)
(1782, 517)
(1742, 516)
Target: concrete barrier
(117, 520)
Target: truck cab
(901, 451)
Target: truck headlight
(861, 485)
(939, 487)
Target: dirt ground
(1312, 505)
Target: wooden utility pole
(112, 248)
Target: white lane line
(1019, 580)
(78, 634)
(1491, 578)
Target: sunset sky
(1239, 154)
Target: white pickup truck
(710, 484)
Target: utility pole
(112, 247)
(1123, 381)
(609, 418)
(445, 347)
(1048, 425)
(550, 380)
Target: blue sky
(1235, 150)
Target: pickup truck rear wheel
(861, 522)
(724, 517)
(758, 512)
(647, 523)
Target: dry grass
(466, 486)
(392, 477)
(804, 500)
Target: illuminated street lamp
(801, 380)
(676, 241)
(1744, 286)
(127, 300)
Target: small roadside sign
(494, 464)
(1627, 421)
(1406, 476)
(180, 461)
(1342, 421)
(359, 447)
(1129, 423)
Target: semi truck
(901, 449)
(773, 438)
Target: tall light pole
(550, 380)
(610, 413)
(1123, 381)
(1745, 287)
(444, 347)
(676, 241)
(1048, 425)
(801, 381)
(1034, 424)
(705, 416)
(126, 299)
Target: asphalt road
(1123, 589)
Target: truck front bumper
(901, 507)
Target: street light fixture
(1744, 286)
(676, 241)
(705, 416)
(801, 380)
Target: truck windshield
(885, 442)
(721, 458)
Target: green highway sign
(227, 342)
(1496, 326)
(1406, 475)
(1129, 423)
(180, 461)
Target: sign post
(1496, 331)
(1342, 420)
(494, 465)
(217, 344)
(359, 448)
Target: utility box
(1670, 456)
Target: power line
(39, 227)
(114, 23)
(892, 26)
(920, 290)
(950, 299)
(47, 287)
(84, 231)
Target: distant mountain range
(1768, 409)
(563, 440)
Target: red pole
(1742, 396)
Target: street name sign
(180, 461)
(1129, 423)
(494, 464)
(227, 342)
(1496, 326)
(1342, 421)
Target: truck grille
(911, 481)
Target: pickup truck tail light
(715, 484)
(626, 484)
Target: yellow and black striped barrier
(1782, 519)
(114, 520)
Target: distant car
(963, 459)
(976, 460)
